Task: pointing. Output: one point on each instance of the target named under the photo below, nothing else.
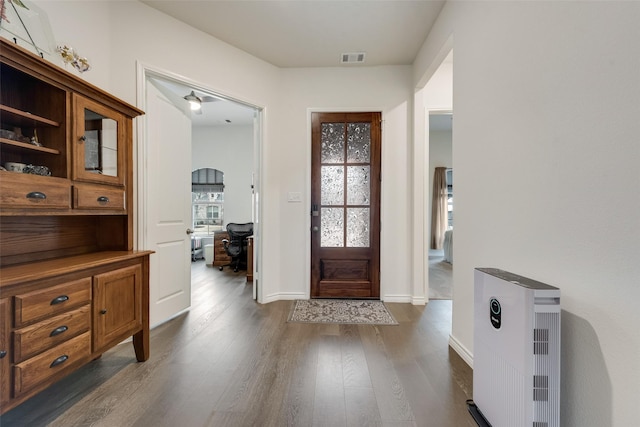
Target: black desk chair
(236, 245)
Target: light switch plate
(294, 197)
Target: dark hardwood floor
(229, 361)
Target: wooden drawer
(48, 333)
(38, 305)
(57, 360)
(87, 196)
(33, 191)
(5, 351)
(220, 256)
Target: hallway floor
(229, 361)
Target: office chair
(236, 245)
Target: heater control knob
(495, 306)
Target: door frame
(307, 197)
(141, 178)
(421, 181)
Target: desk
(250, 259)
(220, 256)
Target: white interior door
(168, 204)
(255, 203)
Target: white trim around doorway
(143, 72)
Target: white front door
(168, 205)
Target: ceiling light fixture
(194, 101)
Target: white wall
(95, 44)
(546, 155)
(384, 89)
(228, 148)
(440, 150)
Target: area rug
(359, 312)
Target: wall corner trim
(462, 351)
(418, 301)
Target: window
(449, 175)
(207, 200)
(208, 212)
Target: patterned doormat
(359, 312)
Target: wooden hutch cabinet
(71, 285)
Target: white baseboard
(284, 296)
(418, 301)
(301, 295)
(396, 298)
(462, 351)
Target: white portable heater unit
(516, 357)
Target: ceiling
(305, 33)
(221, 112)
(312, 33)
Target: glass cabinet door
(98, 148)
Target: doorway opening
(220, 133)
(440, 205)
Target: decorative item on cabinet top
(70, 56)
(27, 25)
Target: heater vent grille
(546, 369)
(540, 341)
(541, 335)
(540, 388)
(540, 381)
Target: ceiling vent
(353, 58)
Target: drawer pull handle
(59, 300)
(3, 353)
(103, 199)
(36, 195)
(103, 311)
(59, 360)
(59, 330)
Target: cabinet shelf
(29, 147)
(17, 117)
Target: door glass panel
(332, 186)
(358, 142)
(101, 144)
(358, 185)
(353, 158)
(358, 227)
(332, 228)
(332, 143)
